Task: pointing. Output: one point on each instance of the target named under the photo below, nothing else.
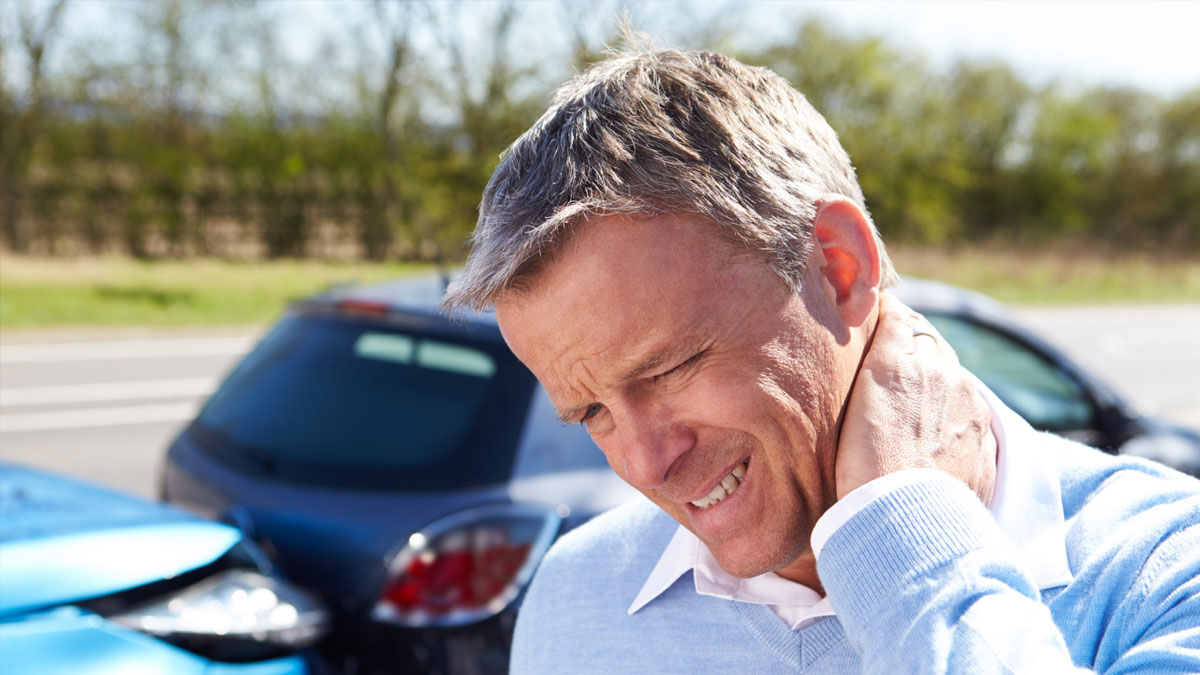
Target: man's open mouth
(723, 489)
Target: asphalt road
(104, 406)
(1149, 353)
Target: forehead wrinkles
(576, 372)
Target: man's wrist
(858, 498)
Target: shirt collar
(1026, 504)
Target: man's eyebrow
(655, 361)
(567, 417)
(651, 363)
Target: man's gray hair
(648, 133)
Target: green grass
(41, 293)
(1061, 276)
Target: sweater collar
(1026, 503)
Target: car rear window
(337, 400)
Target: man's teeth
(723, 489)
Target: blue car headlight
(233, 615)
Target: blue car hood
(63, 541)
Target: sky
(1152, 45)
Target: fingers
(927, 338)
(895, 327)
(912, 406)
(923, 331)
(905, 330)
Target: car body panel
(1167, 444)
(43, 572)
(66, 545)
(51, 527)
(72, 641)
(39, 505)
(345, 536)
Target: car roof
(925, 295)
(413, 295)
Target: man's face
(696, 370)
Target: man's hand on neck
(913, 406)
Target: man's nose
(651, 440)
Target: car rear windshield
(342, 401)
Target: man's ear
(849, 260)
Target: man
(681, 254)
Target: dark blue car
(405, 466)
(410, 470)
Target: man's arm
(922, 583)
(923, 580)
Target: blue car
(409, 469)
(92, 581)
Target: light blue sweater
(921, 579)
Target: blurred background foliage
(195, 131)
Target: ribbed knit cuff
(868, 562)
(845, 508)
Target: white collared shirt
(1026, 504)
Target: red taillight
(363, 306)
(467, 566)
(456, 579)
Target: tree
(22, 125)
(395, 20)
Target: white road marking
(98, 417)
(125, 349)
(106, 391)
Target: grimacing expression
(709, 385)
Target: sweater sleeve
(924, 582)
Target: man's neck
(804, 572)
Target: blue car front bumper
(72, 641)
